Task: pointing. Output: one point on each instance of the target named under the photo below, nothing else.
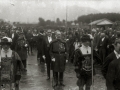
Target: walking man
(58, 53)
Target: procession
(81, 54)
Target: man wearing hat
(58, 53)
(21, 49)
(82, 62)
(113, 70)
(16, 65)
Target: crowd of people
(57, 47)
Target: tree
(41, 22)
(48, 22)
(58, 22)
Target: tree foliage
(92, 17)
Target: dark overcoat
(21, 49)
(58, 50)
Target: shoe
(61, 84)
(48, 78)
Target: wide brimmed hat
(6, 41)
(85, 38)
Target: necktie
(87, 51)
(6, 55)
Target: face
(87, 43)
(5, 47)
(58, 36)
(49, 33)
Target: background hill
(91, 17)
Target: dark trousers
(58, 76)
(39, 55)
(24, 63)
(84, 81)
(48, 70)
(30, 49)
(102, 53)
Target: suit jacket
(113, 75)
(103, 43)
(46, 50)
(106, 63)
(14, 40)
(41, 45)
(96, 39)
(111, 40)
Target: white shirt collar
(117, 55)
(4, 53)
(85, 50)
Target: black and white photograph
(59, 44)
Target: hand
(26, 45)
(96, 49)
(107, 46)
(53, 59)
(43, 56)
(66, 61)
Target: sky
(31, 10)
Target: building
(105, 23)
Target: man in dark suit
(111, 40)
(102, 46)
(29, 38)
(48, 40)
(14, 37)
(114, 55)
(113, 73)
(40, 47)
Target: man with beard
(58, 53)
(113, 73)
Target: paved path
(35, 77)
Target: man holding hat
(58, 53)
(82, 62)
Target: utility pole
(66, 21)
